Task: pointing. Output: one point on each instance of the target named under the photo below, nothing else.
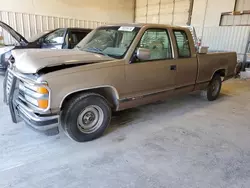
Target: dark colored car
(61, 38)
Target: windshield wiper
(77, 47)
(96, 50)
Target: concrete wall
(97, 10)
(213, 12)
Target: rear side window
(182, 44)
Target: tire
(85, 117)
(213, 90)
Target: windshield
(110, 41)
(37, 36)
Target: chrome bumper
(41, 123)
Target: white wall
(94, 10)
(219, 38)
(213, 14)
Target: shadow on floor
(172, 108)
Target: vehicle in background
(114, 68)
(244, 62)
(61, 38)
(246, 58)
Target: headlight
(37, 89)
(35, 95)
(31, 100)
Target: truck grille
(9, 82)
(15, 87)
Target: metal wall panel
(174, 12)
(166, 12)
(31, 24)
(181, 12)
(226, 38)
(242, 5)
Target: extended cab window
(182, 43)
(158, 42)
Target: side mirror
(143, 54)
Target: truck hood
(14, 33)
(5, 49)
(33, 60)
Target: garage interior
(182, 142)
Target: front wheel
(85, 117)
(213, 90)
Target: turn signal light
(42, 90)
(42, 103)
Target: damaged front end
(29, 100)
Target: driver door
(55, 40)
(156, 74)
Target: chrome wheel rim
(90, 119)
(215, 87)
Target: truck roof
(73, 28)
(143, 25)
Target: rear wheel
(85, 117)
(213, 90)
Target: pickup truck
(113, 68)
(61, 38)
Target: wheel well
(221, 72)
(107, 92)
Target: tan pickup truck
(114, 68)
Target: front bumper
(19, 111)
(38, 122)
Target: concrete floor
(184, 142)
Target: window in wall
(158, 42)
(182, 43)
(235, 18)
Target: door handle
(173, 67)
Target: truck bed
(209, 63)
